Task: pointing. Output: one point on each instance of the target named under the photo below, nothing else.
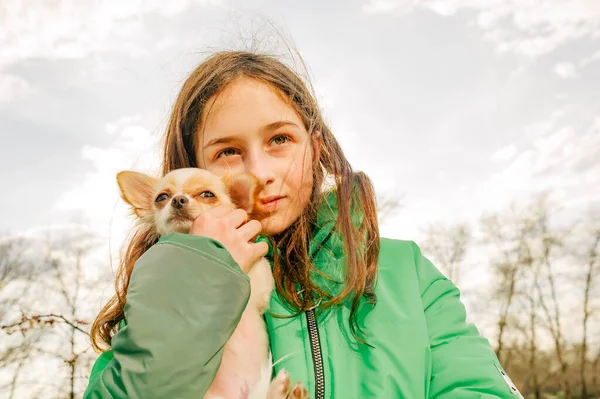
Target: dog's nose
(179, 201)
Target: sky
(457, 107)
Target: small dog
(170, 205)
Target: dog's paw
(299, 392)
(280, 386)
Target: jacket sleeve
(185, 298)
(464, 366)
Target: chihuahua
(170, 205)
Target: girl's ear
(137, 190)
(243, 190)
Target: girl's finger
(259, 250)
(237, 217)
(250, 230)
(220, 210)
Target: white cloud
(527, 27)
(77, 28)
(592, 58)
(386, 6)
(561, 161)
(505, 153)
(565, 70)
(96, 197)
(13, 88)
(551, 157)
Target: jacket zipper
(315, 343)
(317, 356)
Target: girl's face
(249, 128)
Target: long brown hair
(354, 193)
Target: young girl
(353, 316)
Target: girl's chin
(274, 225)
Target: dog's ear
(137, 190)
(242, 190)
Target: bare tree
(12, 268)
(15, 357)
(448, 245)
(531, 272)
(16, 276)
(591, 274)
(596, 375)
(528, 248)
(535, 385)
(523, 229)
(506, 268)
(531, 258)
(61, 319)
(388, 204)
(67, 260)
(548, 240)
(69, 292)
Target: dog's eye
(206, 194)
(162, 197)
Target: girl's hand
(228, 226)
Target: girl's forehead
(245, 104)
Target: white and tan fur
(183, 194)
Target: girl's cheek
(302, 186)
(302, 168)
(296, 176)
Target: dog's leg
(299, 392)
(261, 283)
(280, 386)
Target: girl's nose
(260, 166)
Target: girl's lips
(269, 204)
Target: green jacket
(187, 294)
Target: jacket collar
(325, 239)
(326, 246)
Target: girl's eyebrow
(265, 129)
(276, 125)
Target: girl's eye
(228, 152)
(162, 197)
(206, 194)
(281, 139)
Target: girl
(164, 330)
